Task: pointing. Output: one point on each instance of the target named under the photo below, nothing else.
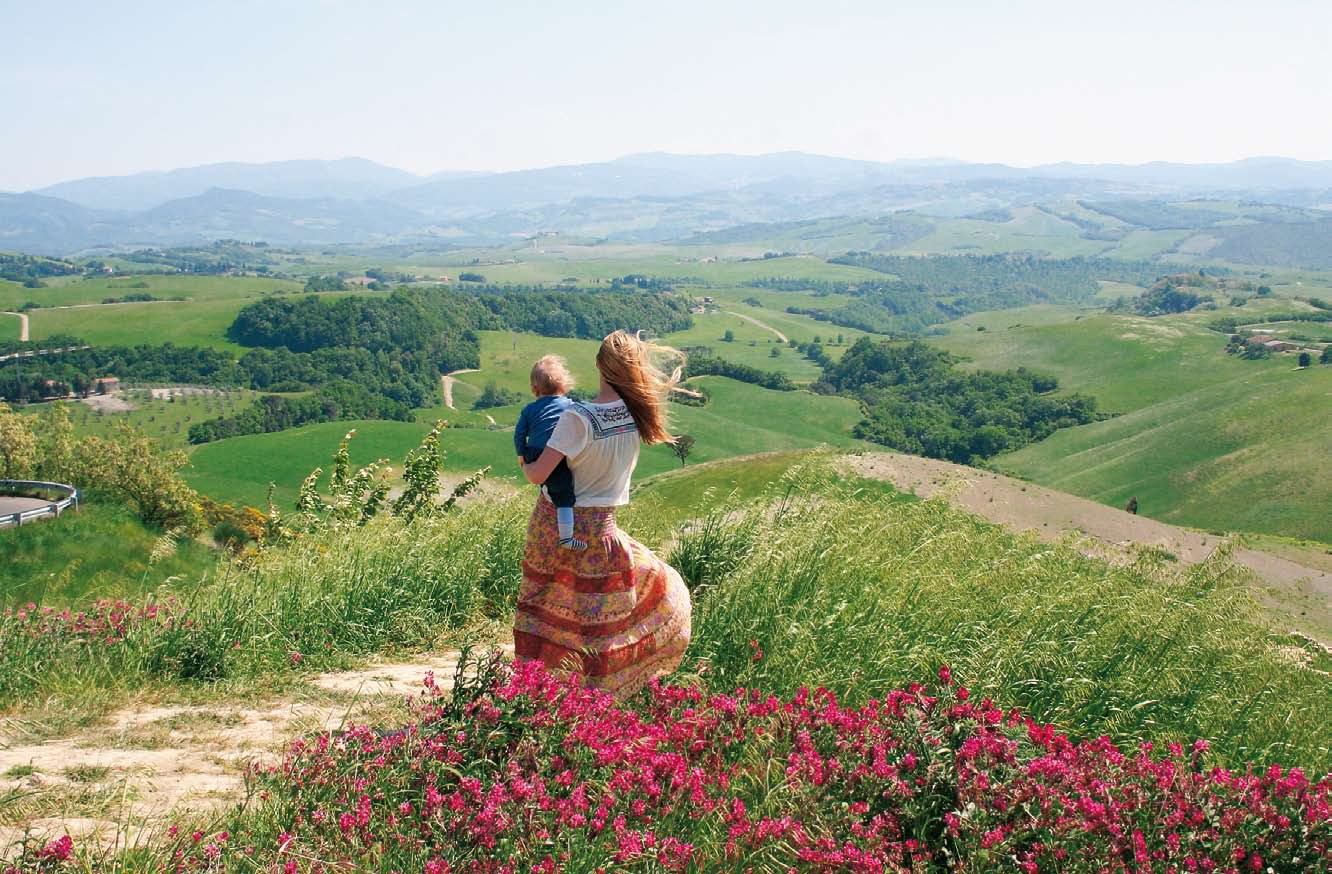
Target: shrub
(493, 396)
(524, 770)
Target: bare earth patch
(1050, 514)
(147, 765)
(108, 403)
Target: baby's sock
(564, 519)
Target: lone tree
(683, 445)
(729, 336)
(1305, 359)
(1326, 357)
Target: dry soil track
(446, 382)
(1025, 506)
(763, 325)
(146, 764)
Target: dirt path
(764, 326)
(446, 382)
(23, 326)
(119, 303)
(1022, 506)
(146, 765)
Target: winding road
(446, 382)
(764, 326)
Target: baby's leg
(560, 488)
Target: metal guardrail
(69, 498)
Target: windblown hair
(629, 364)
(551, 376)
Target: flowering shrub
(41, 857)
(105, 621)
(522, 771)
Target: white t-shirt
(600, 442)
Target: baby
(551, 380)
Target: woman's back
(601, 443)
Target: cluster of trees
(917, 401)
(493, 396)
(31, 269)
(1052, 278)
(1170, 295)
(139, 296)
(441, 319)
(641, 282)
(334, 400)
(217, 258)
(586, 313)
(701, 362)
(1157, 215)
(126, 468)
(321, 282)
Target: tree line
(363, 357)
(916, 400)
(926, 291)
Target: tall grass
(818, 584)
(862, 593)
(318, 602)
(102, 551)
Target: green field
(1201, 438)
(9, 327)
(741, 420)
(185, 323)
(76, 290)
(167, 420)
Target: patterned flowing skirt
(613, 613)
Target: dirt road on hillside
(763, 325)
(1025, 506)
(23, 326)
(446, 382)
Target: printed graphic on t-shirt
(607, 421)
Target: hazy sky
(105, 88)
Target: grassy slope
(741, 420)
(186, 323)
(1203, 439)
(68, 291)
(101, 551)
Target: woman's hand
(539, 470)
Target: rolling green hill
(1201, 438)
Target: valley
(247, 586)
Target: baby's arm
(520, 434)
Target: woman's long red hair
(629, 364)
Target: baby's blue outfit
(535, 425)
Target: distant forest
(917, 401)
(923, 292)
(359, 357)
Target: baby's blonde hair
(551, 376)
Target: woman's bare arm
(537, 471)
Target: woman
(613, 613)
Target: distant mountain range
(655, 196)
